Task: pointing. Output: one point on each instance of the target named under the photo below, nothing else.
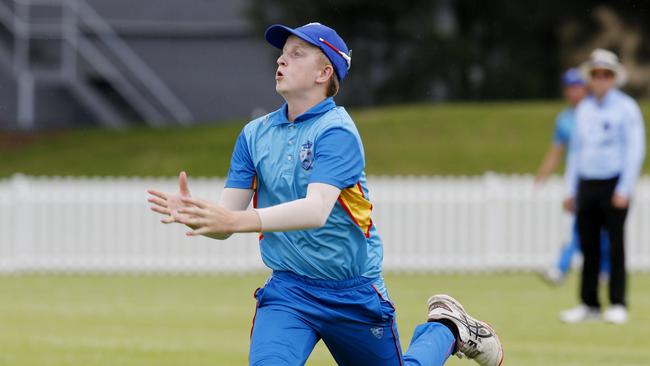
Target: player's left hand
(620, 202)
(205, 217)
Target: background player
(607, 152)
(302, 166)
(574, 90)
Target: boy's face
(574, 93)
(300, 68)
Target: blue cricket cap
(572, 77)
(318, 35)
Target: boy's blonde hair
(333, 84)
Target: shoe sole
(447, 298)
(499, 340)
(590, 318)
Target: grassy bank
(444, 139)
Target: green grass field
(205, 320)
(439, 139)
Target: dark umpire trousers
(594, 212)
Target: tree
(425, 50)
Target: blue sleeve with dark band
(338, 158)
(242, 170)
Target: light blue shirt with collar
(608, 141)
(279, 159)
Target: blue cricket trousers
(356, 323)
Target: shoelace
(470, 352)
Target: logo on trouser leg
(378, 332)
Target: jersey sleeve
(634, 132)
(338, 158)
(561, 134)
(242, 170)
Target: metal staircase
(76, 48)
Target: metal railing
(81, 30)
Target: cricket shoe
(553, 276)
(476, 339)
(617, 314)
(579, 314)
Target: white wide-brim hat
(604, 59)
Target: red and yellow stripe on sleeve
(254, 186)
(357, 206)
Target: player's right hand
(168, 204)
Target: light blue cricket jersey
(608, 141)
(278, 159)
(564, 124)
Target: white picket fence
(428, 224)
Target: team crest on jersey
(377, 332)
(307, 155)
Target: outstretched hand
(205, 218)
(168, 204)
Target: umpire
(606, 154)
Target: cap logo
(347, 58)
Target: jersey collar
(609, 97)
(315, 111)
